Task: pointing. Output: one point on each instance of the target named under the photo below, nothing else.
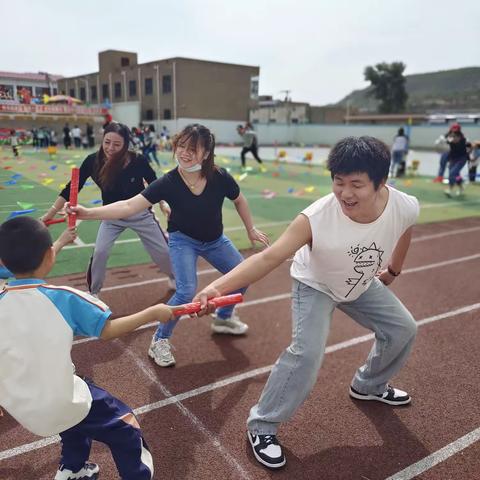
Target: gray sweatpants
(295, 372)
(145, 225)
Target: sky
(317, 49)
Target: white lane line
(214, 270)
(283, 296)
(229, 229)
(234, 379)
(449, 204)
(275, 224)
(259, 301)
(444, 234)
(196, 422)
(437, 457)
(442, 264)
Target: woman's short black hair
(360, 155)
(23, 244)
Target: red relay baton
(54, 220)
(72, 217)
(189, 308)
(73, 200)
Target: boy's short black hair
(360, 155)
(23, 243)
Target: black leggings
(254, 149)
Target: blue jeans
(296, 371)
(454, 170)
(184, 252)
(443, 163)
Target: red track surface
(331, 436)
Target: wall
(422, 136)
(224, 130)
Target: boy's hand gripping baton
(194, 307)
(73, 200)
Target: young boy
(348, 246)
(42, 392)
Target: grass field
(275, 198)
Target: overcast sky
(318, 49)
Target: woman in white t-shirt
(348, 246)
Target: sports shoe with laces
(267, 450)
(448, 193)
(88, 472)
(392, 396)
(161, 352)
(231, 326)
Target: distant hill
(447, 90)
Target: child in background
(399, 153)
(14, 142)
(41, 391)
(474, 161)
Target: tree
(388, 86)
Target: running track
(194, 415)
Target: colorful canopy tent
(63, 99)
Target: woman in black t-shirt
(195, 191)
(120, 175)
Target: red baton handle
(53, 221)
(72, 217)
(194, 307)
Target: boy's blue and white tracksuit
(37, 384)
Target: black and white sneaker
(88, 472)
(267, 450)
(392, 396)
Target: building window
(272, 120)
(166, 84)
(93, 93)
(254, 88)
(125, 61)
(55, 91)
(148, 86)
(294, 120)
(167, 114)
(83, 94)
(105, 93)
(132, 88)
(149, 115)
(72, 92)
(117, 89)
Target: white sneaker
(230, 326)
(161, 353)
(89, 471)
